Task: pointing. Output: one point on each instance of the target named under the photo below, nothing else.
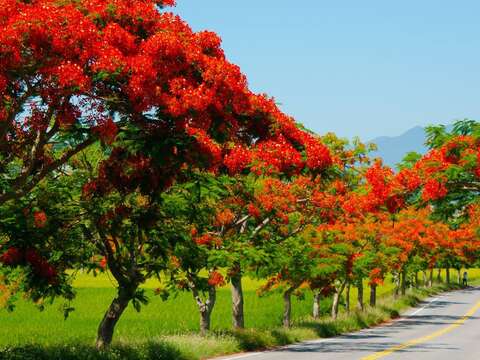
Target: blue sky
(366, 68)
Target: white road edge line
(243, 356)
(424, 307)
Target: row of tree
(129, 144)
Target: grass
(168, 329)
(175, 316)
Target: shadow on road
(342, 346)
(385, 337)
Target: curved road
(444, 327)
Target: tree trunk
(403, 281)
(316, 304)
(205, 307)
(424, 275)
(347, 298)
(447, 274)
(459, 276)
(373, 295)
(336, 300)
(237, 302)
(287, 307)
(439, 275)
(397, 285)
(417, 280)
(111, 317)
(204, 322)
(430, 280)
(360, 304)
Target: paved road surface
(445, 327)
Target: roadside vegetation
(28, 333)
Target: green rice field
(176, 316)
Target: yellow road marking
(426, 338)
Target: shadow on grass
(250, 340)
(322, 329)
(247, 340)
(391, 312)
(281, 337)
(156, 351)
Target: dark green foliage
(153, 351)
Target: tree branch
(23, 186)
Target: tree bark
(347, 298)
(397, 285)
(430, 280)
(204, 322)
(447, 275)
(25, 184)
(111, 317)
(439, 275)
(417, 280)
(424, 275)
(360, 304)
(336, 300)
(205, 307)
(287, 307)
(237, 302)
(403, 281)
(316, 304)
(373, 295)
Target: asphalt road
(444, 327)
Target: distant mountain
(393, 149)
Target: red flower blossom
(318, 155)
(69, 75)
(379, 178)
(225, 217)
(89, 188)
(193, 231)
(13, 256)
(40, 219)
(40, 266)
(33, 258)
(434, 190)
(395, 203)
(339, 187)
(238, 159)
(204, 239)
(107, 131)
(277, 155)
(409, 179)
(48, 272)
(216, 279)
(207, 146)
(477, 168)
(376, 277)
(207, 239)
(253, 211)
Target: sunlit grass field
(178, 315)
